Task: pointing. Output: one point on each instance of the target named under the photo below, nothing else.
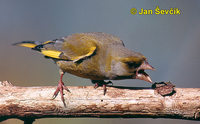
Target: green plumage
(96, 56)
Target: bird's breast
(86, 69)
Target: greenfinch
(96, 56)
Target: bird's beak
(141, 75)
(146, 65)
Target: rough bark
(84, 101)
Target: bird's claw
(96, 85)
(60, 88)
(102, 83)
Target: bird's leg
(96, 85)
(60, 88)
(101, 83)
(104, 89)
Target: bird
(96, 56)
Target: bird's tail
(35, 45)
(29, 44)
(39, 46)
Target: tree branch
(85, 101)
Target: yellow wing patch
(29, 45)
(56, 54)
(77, 58)
(46, 42)
(51, 53)
(78, 47)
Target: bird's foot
(60, 88)
(102, 83)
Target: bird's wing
(71, 48)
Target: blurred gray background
(170, 42)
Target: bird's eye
(132, 64)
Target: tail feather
(29, 44)
(39, 46)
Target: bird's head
(133, 67)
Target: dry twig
(119, 102)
